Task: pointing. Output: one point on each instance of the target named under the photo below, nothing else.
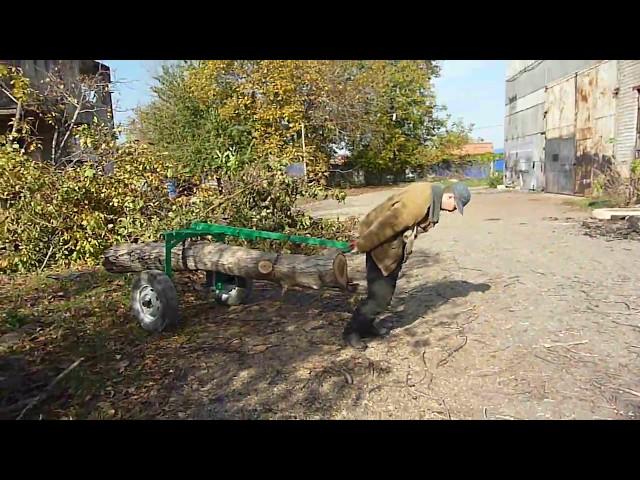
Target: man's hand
(352, 245)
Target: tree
(383, 111)
(63, 102)
(67, 103)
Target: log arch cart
(230, 269)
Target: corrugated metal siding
(595, 119)
(627, 111)
(524, 123)
(525, 103)
(524, 162)
(546, 72)
(515, 66)
(560, 121)
(560, 109)
(595, 122)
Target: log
(288, 270)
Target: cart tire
(154, 301)
(235, 294)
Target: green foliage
(384, 112)
(495, 179)
(618, 189)
(225, 131)
(14, 319)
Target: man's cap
(462, 195)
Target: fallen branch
(628, 390)
(48, 390)
(609, 312)
(545, 359)
(232, 196)
(568, 344)
(444, 361)
(620, 389)
(445, 404)
(626, 324)
(621, 303)
(44, 264)
(580, 353)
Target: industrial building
(567, 120)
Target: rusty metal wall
(560, 119)
(525, 117)
(560, 109)
(539, 74)
(559, 123)
(595, 123)
(627, 113)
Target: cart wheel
(154, 301)
(233, 292)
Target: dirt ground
(508, 312)
(540, 320)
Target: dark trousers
(380, 291)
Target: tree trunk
(288, 270)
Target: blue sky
(472, 90)
(133, 80)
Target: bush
(618, 189)
(69, 217)
(497, 178)
(67, 212)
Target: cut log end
(340, 270)
(265, 267)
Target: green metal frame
(219, 232)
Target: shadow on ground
(279, 357)
(424, 299)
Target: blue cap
(462, 195)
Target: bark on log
(288, 270)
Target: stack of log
(328, 270)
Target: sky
(472, 90)
(133, 81)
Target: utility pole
(304, 154)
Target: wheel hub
(149, 303)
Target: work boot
(382, 329)
(353, 335)
(354, 340)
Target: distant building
(37, 71)
(476, 148)
(567, 120)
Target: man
(386, 235)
